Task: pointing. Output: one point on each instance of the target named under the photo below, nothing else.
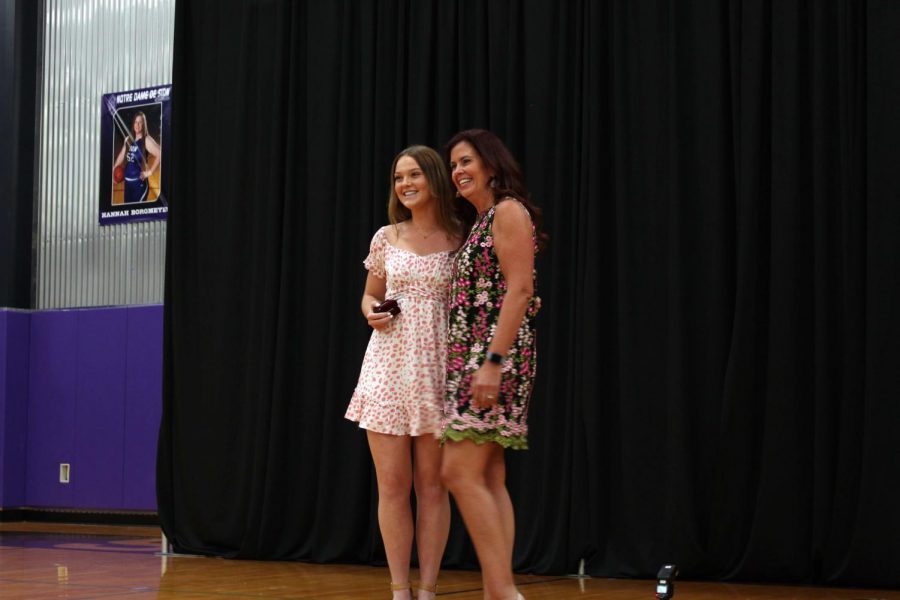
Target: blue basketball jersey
(135, 188)
(134, 157)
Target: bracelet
(495, 358)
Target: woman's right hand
(378, 320)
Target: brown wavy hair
(507, 181)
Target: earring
(493, 182)
(457, 193)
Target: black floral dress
(477, 290)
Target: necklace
(424, 235)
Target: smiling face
(138, 125)
(410, 183)
(469, 173)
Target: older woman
(491, 348)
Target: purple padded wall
(97, 462)
(95, 402)
(14, 342)
(51, 408)
(3, 404)
(143, 405)
(4, 420)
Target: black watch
(495, 358)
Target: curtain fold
(717, 378)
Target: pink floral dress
(401, 384)
(476, 295)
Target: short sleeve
(375, 260)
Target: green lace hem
(514, 442)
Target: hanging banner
(135, 132)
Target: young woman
(134, 153)
(399, 396)
(491, 348)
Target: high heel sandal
(424, 587)
(399, 587)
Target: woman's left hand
(486, 385)
(145, 175)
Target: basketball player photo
(134, 130)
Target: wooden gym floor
(40, 561)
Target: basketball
(118, 174)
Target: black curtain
(718, 382)
(19, 42)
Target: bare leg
(464, 471)
(496, 482)
(433, 515)
(393, 468)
